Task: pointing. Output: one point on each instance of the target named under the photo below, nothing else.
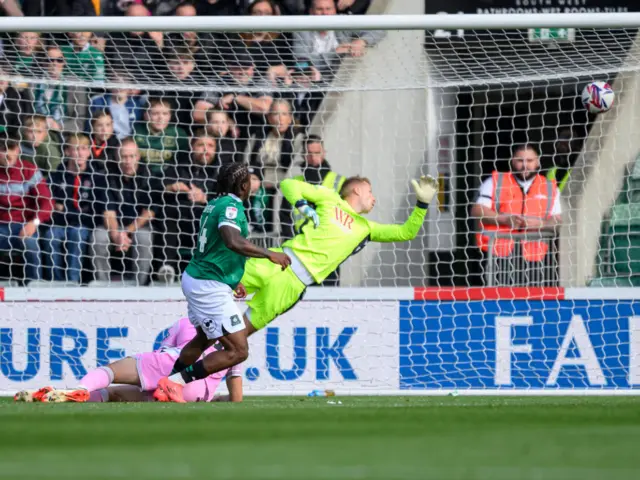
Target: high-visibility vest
(331, 180)
(509, 198)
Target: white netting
(389, 105)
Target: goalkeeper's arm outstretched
(336, 230)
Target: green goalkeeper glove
(426, 188)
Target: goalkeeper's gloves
(308, 212)
(426, 188)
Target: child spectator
(125, 107)
(23, 60)
(220, 127)
(158, 141)
(83, 59)
(79, 197)
(51, 100)
(40, 145)
(25, 204)
(104, 144)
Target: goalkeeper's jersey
(342, 232)
(212, 260)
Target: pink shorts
(152, 366)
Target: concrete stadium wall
(614, 141)
(381, 134)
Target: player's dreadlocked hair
(231, 177)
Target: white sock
(177, 378)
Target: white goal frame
(308, 22)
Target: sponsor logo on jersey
(342, 219)
(231, 213)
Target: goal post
(446, 95)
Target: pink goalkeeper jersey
(181, 333)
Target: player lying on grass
(138, 377)
(336, 230)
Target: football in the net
(598, 97)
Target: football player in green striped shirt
(337, 230)
(209, 280)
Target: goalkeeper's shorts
(276, 290)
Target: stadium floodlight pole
(311, 22)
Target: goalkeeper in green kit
(335, 230)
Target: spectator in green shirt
(83, 60)
(50, 99)
(27, 45)
(159, 142)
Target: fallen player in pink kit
(138, 377)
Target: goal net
(112, 142)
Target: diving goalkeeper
(335, 231)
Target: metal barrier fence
(515, 270)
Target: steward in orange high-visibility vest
(520, 200)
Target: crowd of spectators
(111, 143)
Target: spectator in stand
(256, 205)
(51, 99)
(79, 196)
(353, 7)
(25, 204)
(159, 142)
(270, 51)
(22, 53)
(514, 202)
(218, 7)
(137, 53)
(104, 143)
(247, 105)
(203, 46)
(318, 56)
(40, 145)
(324, 50)
(183, 71)
(273, 155)
(15, 105)
(11, 8)
(127, 217)
(82, 59)
(59, 8)
(188, 187)
(126, 108)
(220, 127)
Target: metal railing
(514, 270)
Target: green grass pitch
(444, 438)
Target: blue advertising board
(521, 344)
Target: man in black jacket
(188, 187)
(132, 196)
